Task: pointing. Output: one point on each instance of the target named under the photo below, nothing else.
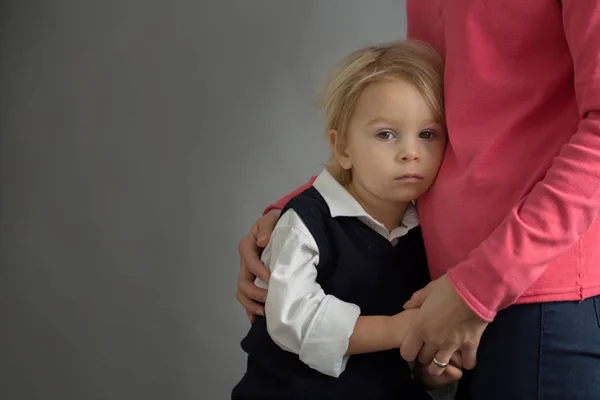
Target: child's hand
(401, 323)
(452, 373)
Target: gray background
(139, 140)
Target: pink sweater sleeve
(562, 206)
(279, 204)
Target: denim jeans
(541, 351)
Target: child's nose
(409, 155)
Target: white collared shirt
(301, 318)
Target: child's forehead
(390, 100)
(387, 91)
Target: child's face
(393, 146)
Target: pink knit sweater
(513, 215)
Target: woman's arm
(279, 204)
(250, 248)
(562, 206)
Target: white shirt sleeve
(301, 318)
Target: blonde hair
(412, 61)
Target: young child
(347, 253)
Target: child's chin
(407, 196)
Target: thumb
(262, 239)
(417, 299)
(265, 226)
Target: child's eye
(386, 135)
(427, 135)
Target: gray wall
(139, 140)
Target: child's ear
(339, 149)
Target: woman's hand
(451, 374)
(250, 248)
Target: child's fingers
(456, 359)
(251, 317)
(453, 373)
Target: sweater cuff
(279, 204)
(458, 276)
(275, 206)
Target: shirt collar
(342, 204)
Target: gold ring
(439, 364)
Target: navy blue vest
(356, 265)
